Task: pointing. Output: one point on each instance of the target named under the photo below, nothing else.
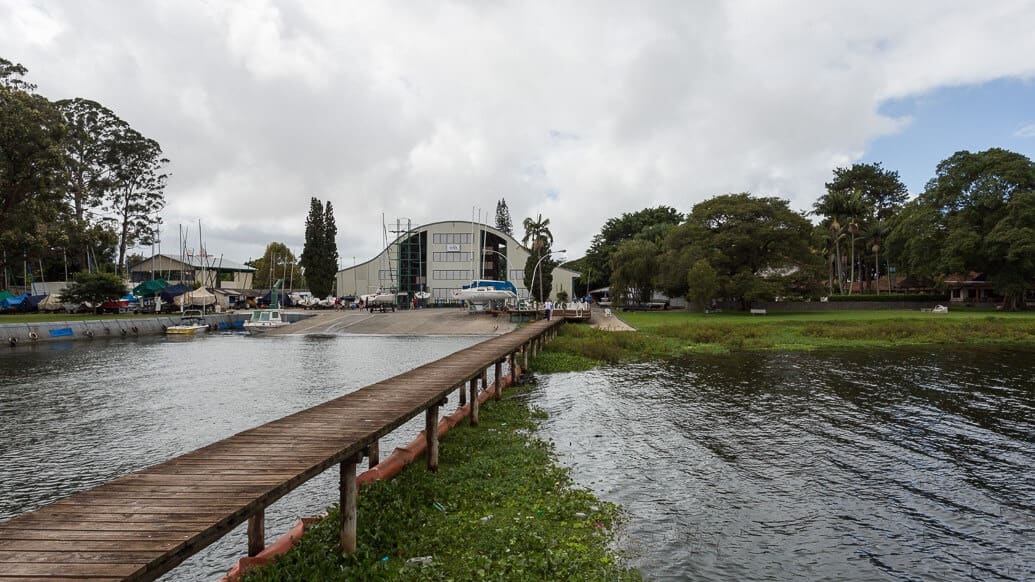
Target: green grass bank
(499, 508)
(665, 334)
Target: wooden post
(485, 379)
(524, 356)
(513, 367)
(498, 371)
(347, 491)
(463, 395)
(256, 533)
(431, 435)
(474, 401)
(373, 454)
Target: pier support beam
(474, 401)
(431, 435)
(257, 533)
(373, 454)
(347, 491)
(463, 395)
(498, 374)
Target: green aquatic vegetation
(499, 508)
(661, 335)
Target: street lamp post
(531, 285)
(505, 262)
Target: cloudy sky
(578, 111)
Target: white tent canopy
(197, 297)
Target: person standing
(548, 306)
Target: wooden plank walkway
(141, 525)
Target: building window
(448, 275)
(451, 238)
(517, 275)
(443, 294)
(451, 257)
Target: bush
(885, 297)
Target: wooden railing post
(498, 374)
(431, 435)
(257, 533)
(474, 401)
(347, 504)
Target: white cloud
(579, 111)
(1025, 131)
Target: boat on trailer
(486, 291)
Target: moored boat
(265, 319)
(191, 322)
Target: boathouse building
(441, 257)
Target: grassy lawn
(665, 334)
(498, 508)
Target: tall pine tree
(503, 221)
(319, 259)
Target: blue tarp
(32, 303)
(14, 302)
(130, 297)
(284, 299)
(174, 291)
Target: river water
(908, 464)
(912, 464)
(75, 415)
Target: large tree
(137, 188)
(89, 177)
(31, 133)
(278, 262)
(976, 214)
(647, 224)
(634, 266)
(319, 259)
(503, 221)
(856, 199)
(754, 245)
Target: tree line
(78, 185)
(977, 214)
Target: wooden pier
(141, 525)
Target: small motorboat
(191, 322)
(265, 319)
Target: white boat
(191, 321)
(265, 319)
(486, 291)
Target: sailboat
(485, 290)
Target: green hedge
(886, 297)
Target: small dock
(567, 313)
(142, 525)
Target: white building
(441, 257)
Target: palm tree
(538, 232)
(844, 209)
(876, 234)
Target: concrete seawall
(23, 334)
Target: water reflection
(912, 464)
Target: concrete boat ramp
(442, 321)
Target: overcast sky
(579, 111)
